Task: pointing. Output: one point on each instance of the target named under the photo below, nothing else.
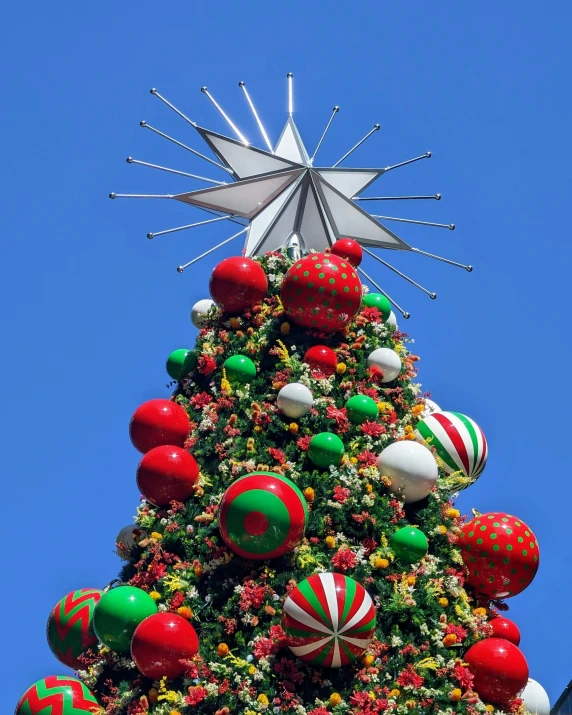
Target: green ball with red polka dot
(501, 553)
(322, 292)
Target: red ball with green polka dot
(321, 292)
(501, 554)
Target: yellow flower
(417, 409)
(442, 528)
(410, 704)
(262, 699)
(353, 460)
(293, 428)
(453, 513)
(411, 580)
(381, 563)
(480, 611)
(257, 429)
(309, 494)
(368, 488)
(156, 535)
(449, 639)
(455, 695)
(341, 368)
(395, 693)
(155, 595)
(285, 328)
(222, 649)
(252, 670)
(384, 407)
(185, 612)
(489, 708)
(250, 444)
(234, 323)
(330, 542)
(443, 602)
(335, 699)
(409, 429)
(174, 712)
(367, 659)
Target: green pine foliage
(425, 618)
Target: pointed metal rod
(290, 78)
(376, 127)
(450, 226)
(131, 160)
(445, 260)
(393, 303)
(184, 146)
(231, 124)
(436, 197)
(242, 85)
(427, 155)
(402, 275)
(190, 225)
(180, 269)
(335, 110)
(172, 106)
(113, 195)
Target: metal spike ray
(267, 141)
(450, 226)
(231, 124)
(154, 92)
(180, 269)
(189, 225)
(402, 275)
(404, 313)
(131, 160)
(335, 110)
(144, 124)
(376, 128)
(469, 269)
(437, 197)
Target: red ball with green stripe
(57, 695)
(501, 553)
(70, 632)
(329, 619)
(322, 292)
(458, 441)
(262, 515)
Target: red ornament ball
(500, 670)
(321, 292)
(157, 422)
(160, 643)
(505, 628)
(238, 283)
(501, 554)
(322, 358)
(167, 474)
(349, 250)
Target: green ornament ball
(180, 362)
(409, 545)
(361, 408)
(118, 613)
(326, 449)
(240, 368)
(379, 301)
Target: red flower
(263, 647)
(367, 457)
(201, 400)
(463, 676)
(410, 677)
(319, 711)
(341, 494)
(303, 443)
(372, 315)
(374, 429)
(277, 454)
(196, 694)
(369, 545)
(459, 631)
(207, 364)
(344, 559)
(340, 416)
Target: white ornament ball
(430, 408)
(295, 400)
(413, 471)
(535, 698)
(199, 312)
(126, 538)
(392, 320)
(387, 360)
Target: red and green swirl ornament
(57, 695)
(262, 515)
(329, 620)
(458, 441)
(70, 631)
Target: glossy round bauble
(379, 301)
(361, 408)
(160, 643)
(240, 368)
(505, 628)
(167, 474)
(392, 320)
(127, 539)
(57, 695)
(180, 362)
(70, 632)
(329, 620)
(322, 358)
(118, 613)
(430, 408)
(321, 292)
(199, 312)
(459, 442)
(295, 400)
(348, 250)
(326, 449)
(412, 469)
(409, 545)
(536, 700)
(262, 516)
(501, 553)
(238, 283)
(499, 668)
(386, 360)
(158, 422)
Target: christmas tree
(297, 549)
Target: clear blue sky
(92, 308)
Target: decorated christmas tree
(297, 549)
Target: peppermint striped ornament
(458, 441)
(69, 630)
(57, 695)
(329, 619)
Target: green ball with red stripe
(322, 292)
(262, 515)
(70, 631)
(501, 553)
(57, 695)
(329, 620)
(458, 441)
